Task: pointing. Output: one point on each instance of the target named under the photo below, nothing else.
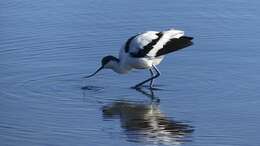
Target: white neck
(117, 67)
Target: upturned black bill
(94, 72)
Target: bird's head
(106, 62)
(109, 61)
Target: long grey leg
(157, 71)
(157, 75)
(152, 75)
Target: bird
(145, 51)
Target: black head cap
(106, 59)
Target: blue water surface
(209, 92)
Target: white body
(127, 62)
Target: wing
(128, 42)
(143, 43)
(174, 45)
(155, 44)
(137, 42)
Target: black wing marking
(127, 44)
(146, 49)
(174, 45)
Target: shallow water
(209, 92)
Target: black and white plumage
(145, 51)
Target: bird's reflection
(145, 123)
